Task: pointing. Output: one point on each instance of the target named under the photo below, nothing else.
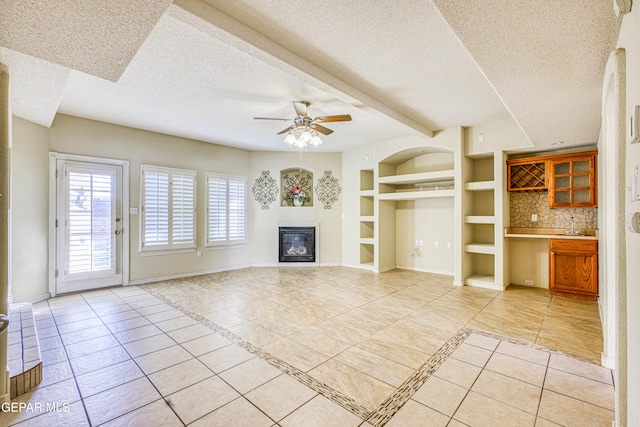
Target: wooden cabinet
(526, 174)
(570, 178)
(572, 181)
(573, 268)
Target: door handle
(4, 323)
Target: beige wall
(78, 136)
(352, 162)
(90, 138)
(30, 202)
(431, 221)
(264, 221)
(500, 135)
(529, 260)
(630, 40)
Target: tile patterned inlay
(394, 402)
(318, 386)
(333, 344)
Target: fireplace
(297, 244)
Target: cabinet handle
(553, 253)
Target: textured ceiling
(203, 69)
(97, 37)
(545, 59)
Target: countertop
(550, 233)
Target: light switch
(633, 222)
(133, 211)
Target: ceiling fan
(305, 129)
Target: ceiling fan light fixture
(306, 136)
(315, 140)
(290, 139)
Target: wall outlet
(421, 242)
(435, 244)
(417, 243)
(199, 253)
(528, 282)
(534, 217)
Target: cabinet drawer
(569, 245)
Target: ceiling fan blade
(270, 118)
(327, 119)
(300, 107)
(323, 130)
(285, 130)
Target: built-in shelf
(413, 195)
(366, 241)
(367, 218)
(480, 248)
(476, 219)
(415, 178)
(366, 193)
(480, 186)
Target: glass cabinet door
(573, 182)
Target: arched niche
(293, 183)
(417, 160)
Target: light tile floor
(318, 347)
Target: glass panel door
(88, 228)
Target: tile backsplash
(524, 204)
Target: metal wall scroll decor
(328, 189)
(265, 190)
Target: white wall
(629, 397)
(264, 221)
(30, 208)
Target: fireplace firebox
(297, 244)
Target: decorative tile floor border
(393, 403)
(381, 415)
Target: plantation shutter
(217, 209)
(168, 208)
(227, 206)
(156, 208)
(237, 209)
(184, 213)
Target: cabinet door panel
(574, 272)
(573, 267)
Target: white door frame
(53, 158)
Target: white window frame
(227, 241)
(170, 246)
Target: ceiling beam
(216, 23)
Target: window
(168, 209)
(226, 209)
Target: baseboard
(367, 267)
(608, 362)
(183, 275)
(35, 299)
(425, 270)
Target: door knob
(4, 323)
(118, 232)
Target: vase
(297, 202)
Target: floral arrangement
(297, 193)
